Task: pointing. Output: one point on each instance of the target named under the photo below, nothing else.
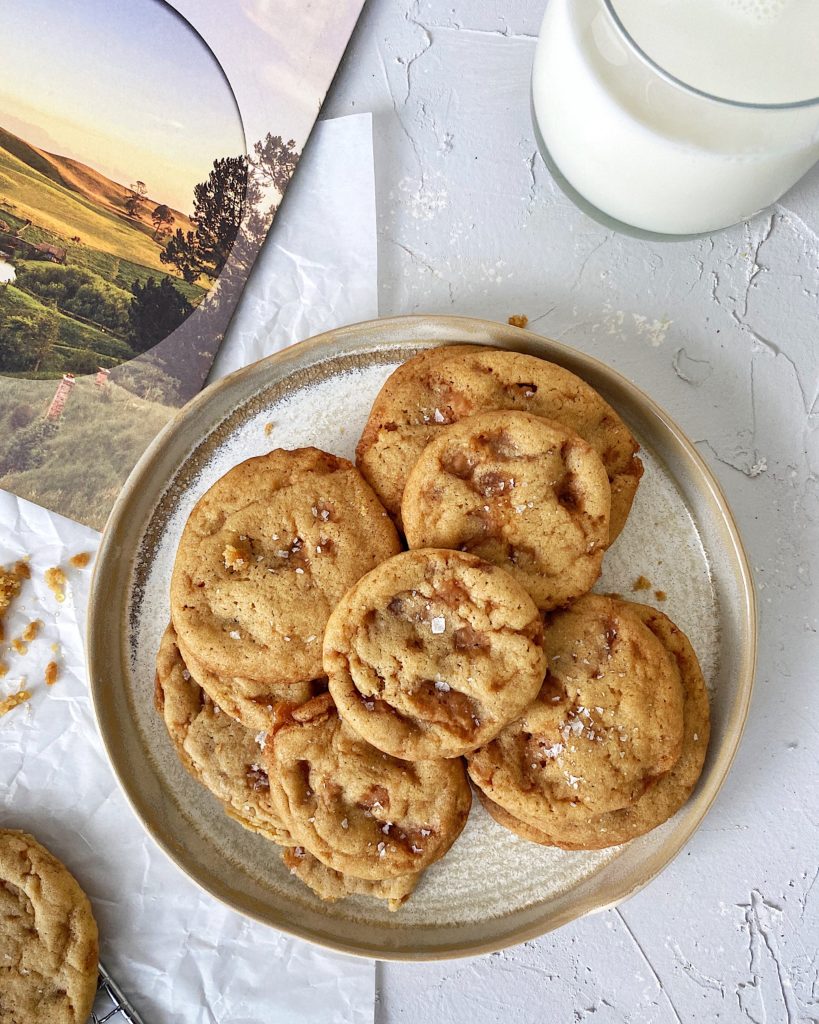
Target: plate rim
(441, 330)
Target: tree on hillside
(137, 193)
(28, 341)
(163, 218)
(218, 205)
(156, 310)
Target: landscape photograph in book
(132, 208)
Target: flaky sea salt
(438, 624)
(300, 571)
(235, 634)
(438, 416)
(261, 738)
(185, 674)
(345, 823)
(442, 686)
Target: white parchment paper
(181, 957)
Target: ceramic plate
(492, 890)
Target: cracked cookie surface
(444, 385)
(265, 556)
(607, 723)
(670, 792)
(518, 491)
(48, 937)
(433, 653)
(356, 809)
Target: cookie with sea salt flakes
(519, 491)
(432, 653)
(443, 385)
(217, 751)
(48, 937)
(250, 701)
(607, 723)
(669, 792)
(266, 555)
(330, 885)
(360, 811)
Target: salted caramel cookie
(264, 558)
(519, 491)
(356, 809)
(331, 886)
(607, 723)
(669, 792)
(250, 701)
(443, 385)
(48, 937)
(432, 653)
(217, 751)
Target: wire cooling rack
(110, 1004)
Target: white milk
(654, 154)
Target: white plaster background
(723, 332)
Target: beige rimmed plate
(492, 890)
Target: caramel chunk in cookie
(433, 653)
(446, 384)
(48, 937)
(518, 491)
(264, 558)
(607, 723)
(356, 809)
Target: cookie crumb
(269, 428)
(55, 578)
(19, 647)
(3, 669)
(641, 583)
(660, 595)
(32, 631)
(11, 702)
(518, 320)
(52, 670)
(11, 580)
(81, 560)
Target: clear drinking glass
(648, 149)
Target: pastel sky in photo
(125, 86)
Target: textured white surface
(723, 332)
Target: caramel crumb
(55, 578)
(660, 595)
(52, 670)
(3, 669)
(10, 582)
(81, 560)
(32, 630)
(19, 647)
(518, 320)
(269, 428)
(641, 583)
(235, 557)
(11, 702)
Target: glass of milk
(679, 116)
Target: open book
(144, 150)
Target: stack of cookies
(333, 690)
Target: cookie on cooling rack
(48, 937)
(519, 491)
(443, 385)
(432, 653)
(265, 556)
(356, 809)
(606, 725)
